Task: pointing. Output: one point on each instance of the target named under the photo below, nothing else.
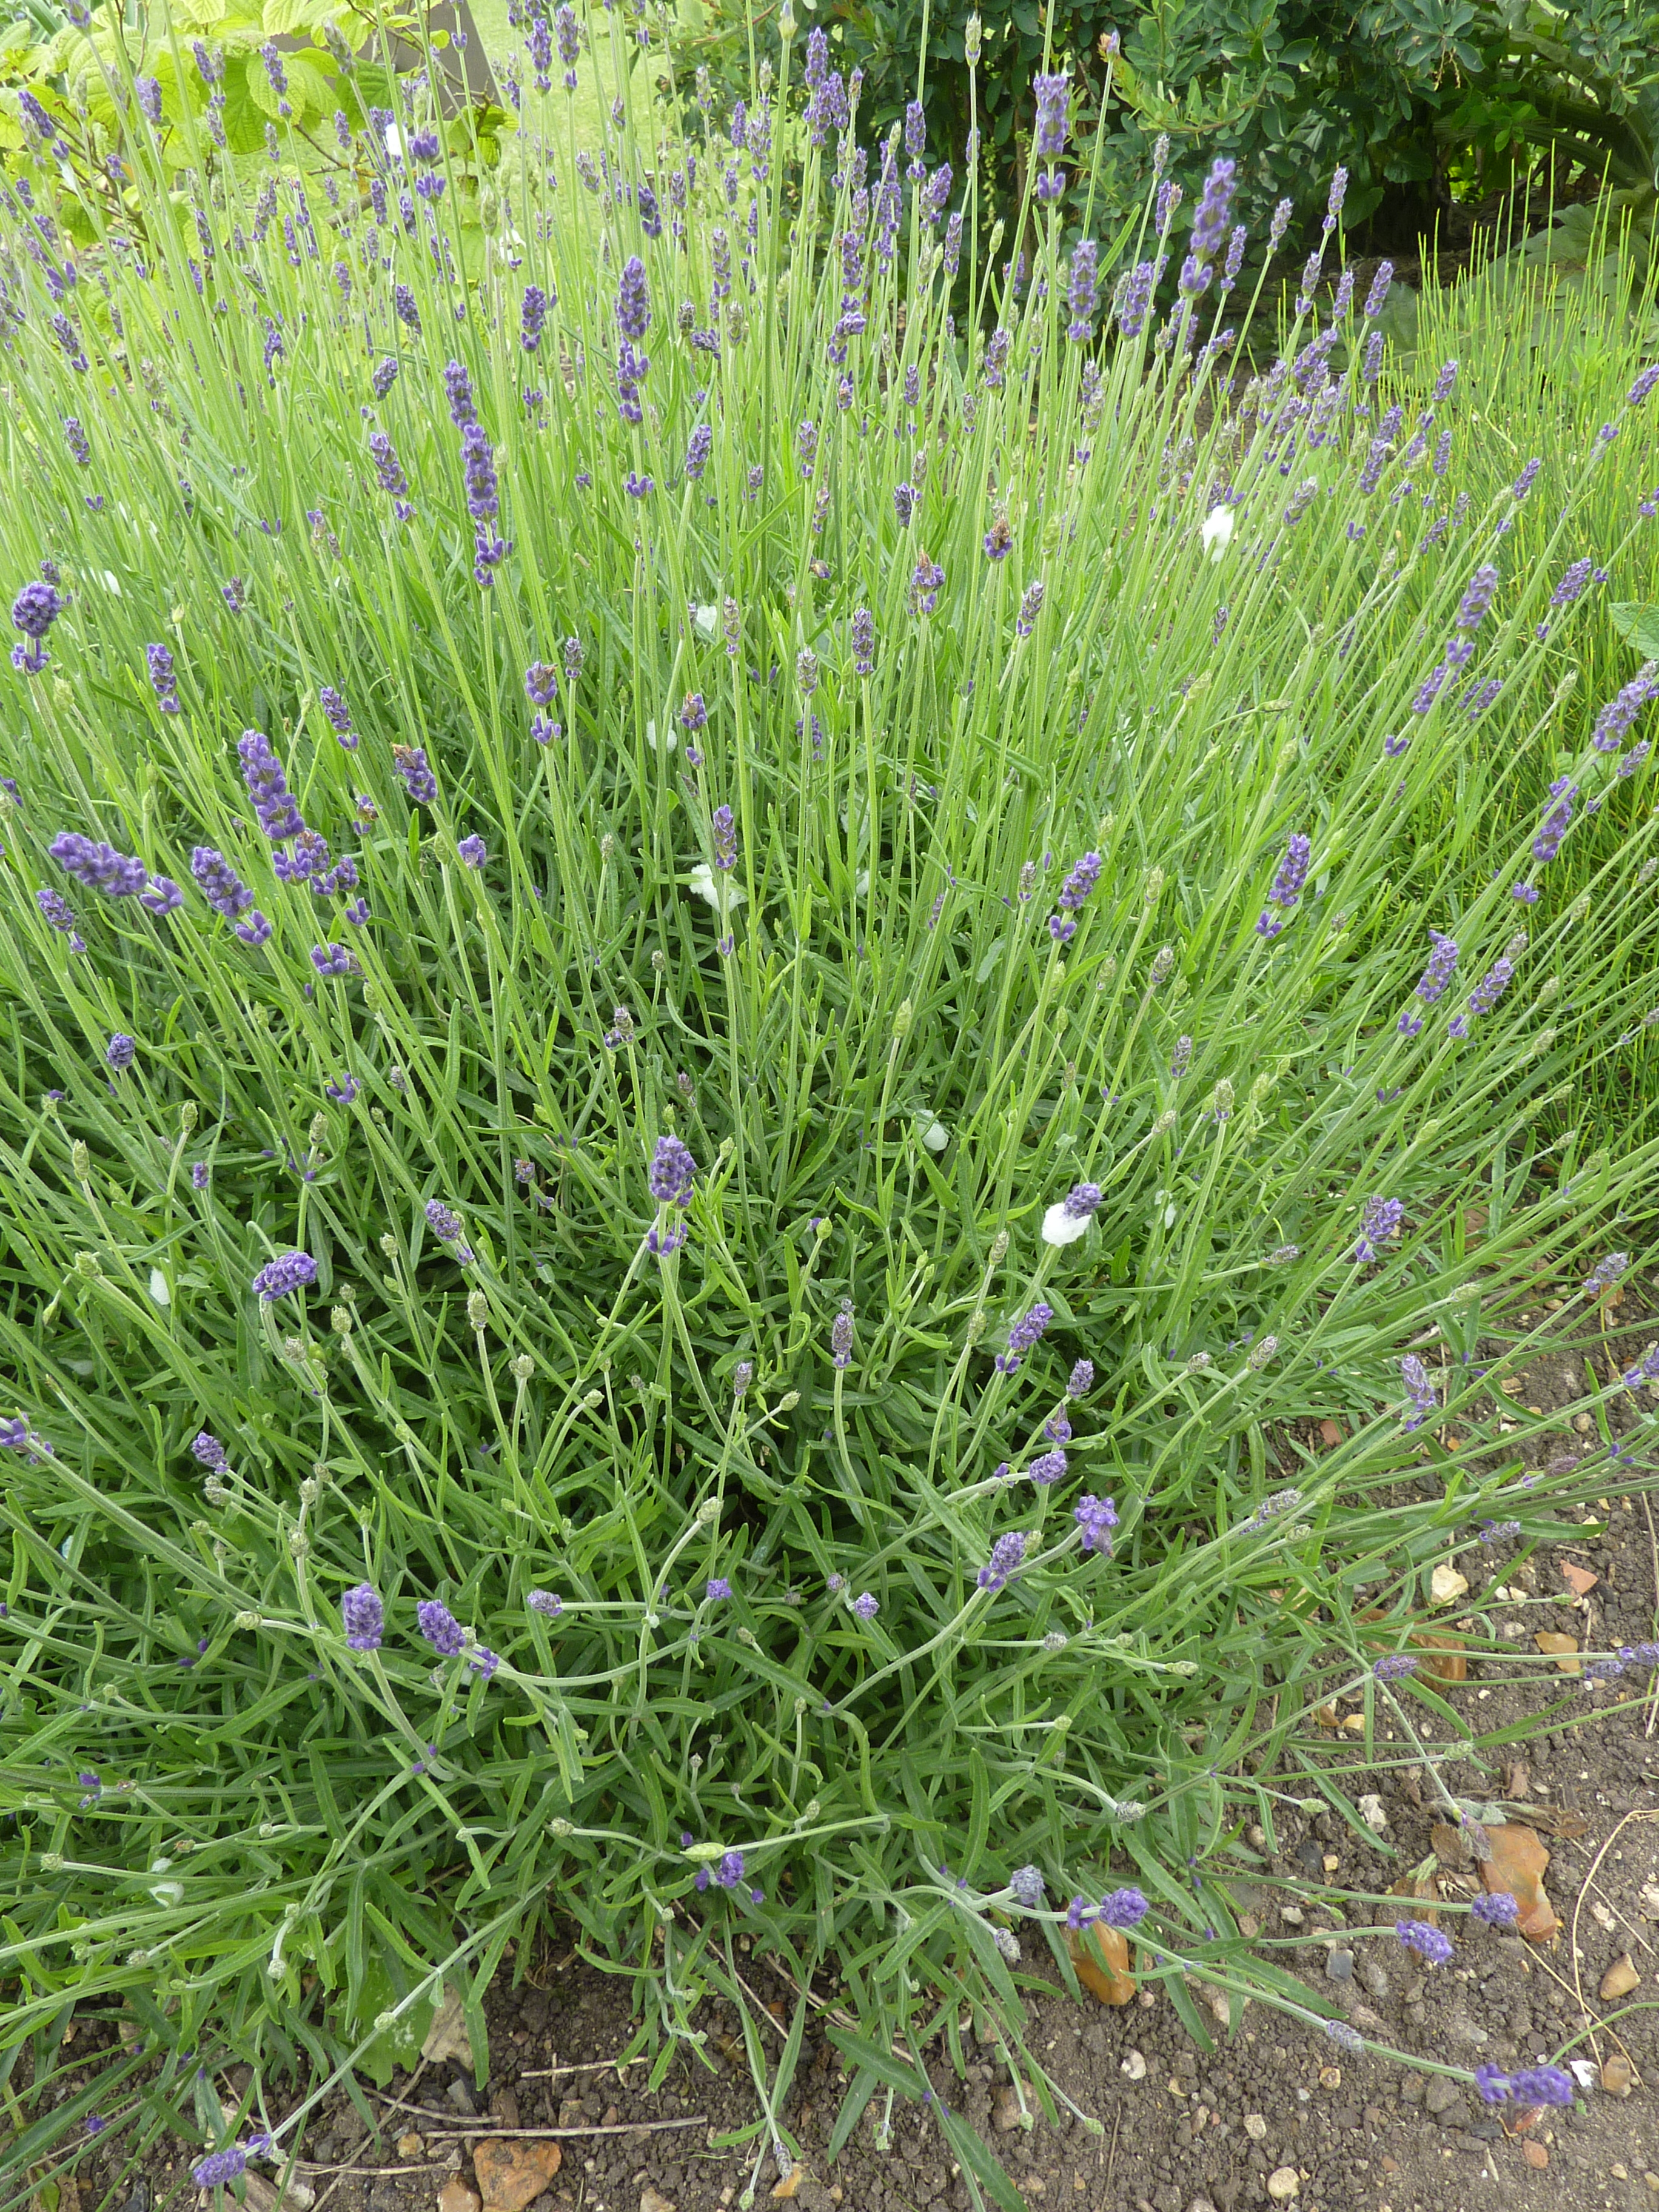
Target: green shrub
(1416, 99)
(922, 781)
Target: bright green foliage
(1400, 93)
(891, 1033)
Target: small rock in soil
(1283, 2182)
(512, 2173)
(455, 2196)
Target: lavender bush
(693, 1080)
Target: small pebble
(1340, 1966)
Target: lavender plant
(671, 1292)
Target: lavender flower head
(220, 2166)
(267, 787)
(98, 865)
(1424, 1401)
(163, 681)
(1068, 1219)
(1478, 598)
(672, 1172)
(633, 301)
(1081, 1380)
(410, 762)
(446, 1226)
(440, 1628)
(1606, 1273)
(840, 1336)
(1123, 1908)
(1026, 1885)
(1433, 982)
(363, 1617)
(1006, 1554)
(289, 1272)
(1286, 886)
(1499, 1909)
(1072, 892)
(1431, 1944)
(1097, 1517)
(1382, 1221)
(1394, 1667)
(1212, 215)
(1025, 1333)
(120, 1053)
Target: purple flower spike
(1022, 1336)
(98, 865)
(1082, 1379)
(545, 1602)
(672, 1172)
(717, 1589)
(1500, 1910)
(363, 1617)
(440, 1628)
(267, 787)
(120, 1053)
(1382, 1221)
(163, 681)
(1006, 1554)
(866, 1607)
(290, 1271)
(1049, 1469)
(446, 1226)
(418, 781)
(1542, 2085)
(1123, 1908)
(1395, 1666)
(1097, 1517)
(1429, 1943)
(220, 2166)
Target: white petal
(1216, 530)
(701, 880)
(1060, 1227)
(862, 889)
(932, 1132)
(706, 619)
(669, 742)
(111, 583)
(158, 1288)
(394, 141)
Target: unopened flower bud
(788, 1402)
(1154, 886)
(319, 1127)
(477, 1310)
(522, 1368)
(339, 1321)
(86, 1265)
(389, 1246)
(187, 1116)
(999, 1247)
(80, 1160)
